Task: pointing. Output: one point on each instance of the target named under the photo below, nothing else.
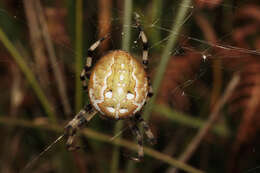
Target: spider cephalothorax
(118, 88)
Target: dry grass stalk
(213, 117)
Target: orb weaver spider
(118, 88)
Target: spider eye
(130, 96)
(109, 94)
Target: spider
(118, 88)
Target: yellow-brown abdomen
(118, 85)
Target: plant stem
(176, 27)
(78, 61)
(61, 85)
(125, 46)
(126, 25)
(189, 121)
(213, 117)
(156, 18)
(103, 138)
(29, 75)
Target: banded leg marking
(144, 41)
(147, 129)
(81, 119)
(145, 50)
(150, 91)
(136, 132)
(85, 73)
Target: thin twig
(209, 124)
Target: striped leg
(150, 92)
(145, 50)
(86, 70)
(149, 134)
(144, 41)
(81, 119)
(137, 133)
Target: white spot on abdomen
(130, 96)
(123, 111)
(109, 94)
(111, 109)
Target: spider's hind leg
(147, 130)
(81, 119)
(136, 132)
(133, 125)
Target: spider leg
(81, 119)
(147, 130)
(85, 73)
(150, 91)
(136, 132)
(144, 40)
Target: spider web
(183, 91)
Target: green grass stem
(173, 37)
(78, 58)
(126, 25)
(29, 75)
(189, 121)
(102, 138)
(125, 46)
(156, 18)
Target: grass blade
(28, 74)
(79, 50)
(189, 121)
(125, 46)
(102, 138)
(176, 27)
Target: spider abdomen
(118, 85)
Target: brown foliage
(179, 70)
(246, 98)
(207, 3)
(244, 104)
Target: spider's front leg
(81, 119)
(144, 40)
(85, 73)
